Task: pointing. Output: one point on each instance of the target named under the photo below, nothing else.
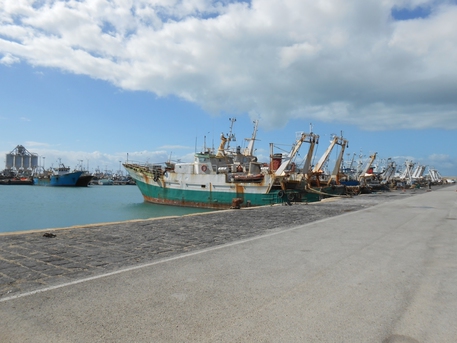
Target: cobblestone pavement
(34, 260)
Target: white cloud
(36, 144)
(9, 59)
(323, 60)
(175, 147)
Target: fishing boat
(223, 179)
(84, 179)
(13, 177)
(105, 182)
(61, 176)
(327, 185)
(16, 181)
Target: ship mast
(231, 136)
(250, 148)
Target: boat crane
(388, 173)
(406, 176)
(313, 139)
(418, 172)
(317, 170)
(295, 148)
(435, 176)
(352, 161)
(363, 175)
(336, 174)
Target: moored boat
(223, 179)
(61, 176)
(16, 181)
(84, 180)
(327, 185)
(105, 182)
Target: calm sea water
(25, 208)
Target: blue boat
(61, 176)
(350, 182)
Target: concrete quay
(30, 260)
(373, 268)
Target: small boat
(14, 177)
(105, 182)
(61, 176)
(16, 181)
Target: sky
(103, 81)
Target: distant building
(21, 159)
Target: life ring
(280, 194)
(290, 196)
(204, 168)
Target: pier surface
(373, 268)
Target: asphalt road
(387, 273)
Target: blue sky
(97, 80)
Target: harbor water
(25, 208)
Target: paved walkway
(387, 273)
